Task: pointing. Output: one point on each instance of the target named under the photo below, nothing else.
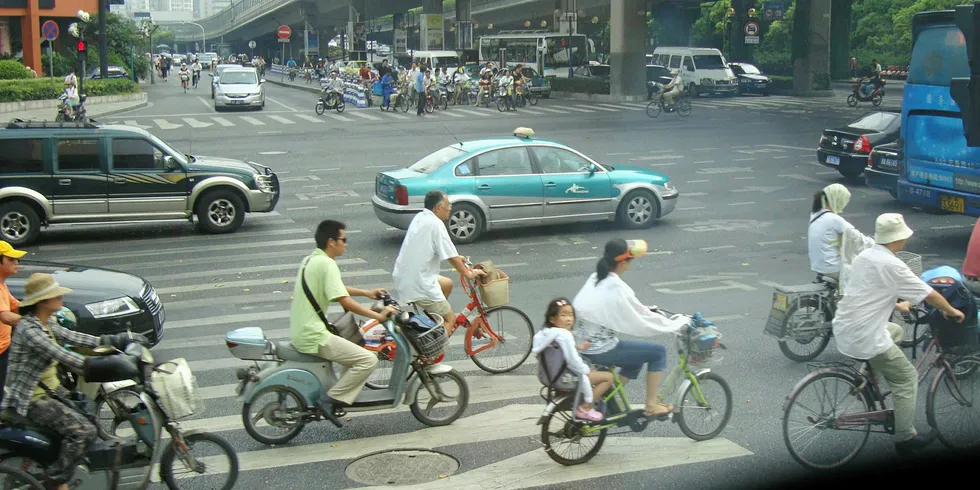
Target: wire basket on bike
(914, 261)
(701, 341)
(427, 335)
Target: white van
(435, 59)
(703, 70)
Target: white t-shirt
(823, 241)
(426, 245)
(877, 280)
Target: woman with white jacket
(829, 232)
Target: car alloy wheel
(221, 213)
(14, 226)
(465, 223)
(640, 209)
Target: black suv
(85, 172)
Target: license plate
(888, 163)
(779, 302)
(238, 102)
(952, 203)
(833, 160)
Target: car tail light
(862, 145)
(401, 195)
(869, 160)
(943, 280)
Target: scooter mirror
(402, 317)
(377, 306)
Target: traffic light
(81, 50)
(966, 91)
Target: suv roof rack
(44, 124)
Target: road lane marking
(274, 101)
(604, 108)
(164, 124)
(741, 203)
(743, 159)
(206, 104)
(301, 208)
(691, 208)
(776, 242)
(222, 121)
(696, 194)
(795, 199)
(577, 109)
(132, 122)
(365, 116)
(253, 121)
(704, 161)
(281, 119)
(618, 154)
(630, 108)
(322, 170)
(396, 116)
(577, 259)
(945, 227)
(720, 247)
(285, 281)
(194, 123)
(662, 164)
(338, 117)
(704, 149)
(473, 113)
(743, 178)
(549, 109)
(790, 147)
(307, 117)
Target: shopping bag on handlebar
(345, 326)
(495, 286)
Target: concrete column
(811, 72)
(30, 28)
(627, 50)
(464, 28)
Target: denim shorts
(630, 356)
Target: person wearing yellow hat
(34, 390)
(607, 306)
(862, 328)
(9, 265)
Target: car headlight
(254, 94)
(113, 307)
(707, 81)
(669, 187)
(264, 183)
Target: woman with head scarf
(827, 230)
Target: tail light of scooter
(942, 281)
(862, 145)
(401, 195)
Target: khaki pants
(903, 380)
(357, 363)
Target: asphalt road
(745, 169)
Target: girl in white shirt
(827, 228)
(560, 318)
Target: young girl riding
(559, 320)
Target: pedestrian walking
(420, 77)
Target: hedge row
(45, 88)
(581, 85)
(13, 70)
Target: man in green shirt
(308, 333)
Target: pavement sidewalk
(94, 111)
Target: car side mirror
(592, 169)
(262, 81)
(169, 164)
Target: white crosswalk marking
(549, 109)
(194, 123)
(222, 121)
(164, 124)
(253, 121)
(619, 107)
(307, 117)
(364, 116)
(576, 109)
(474, 113)
(338, 117)
(132, 122)
(451, 114)
(396, 116)
(525, 110)
(599, 107)
(280, 119)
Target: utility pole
(103, 40)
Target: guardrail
(223, 22)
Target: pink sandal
(591, 415)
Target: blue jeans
(630, 356)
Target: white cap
(891, 227)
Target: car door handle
(550, 184)
(484, 187)
(118, 180)
(64, 181)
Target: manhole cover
(402, 467)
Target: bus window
(940, 55)
(688, 64)
(675, 61)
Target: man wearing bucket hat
(862, 329)
(9, 265)
(33, 387)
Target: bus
(937, 171)
(545, 50)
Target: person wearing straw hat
(862, 328)
(33, 388)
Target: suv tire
(219, 211)
(19, 223)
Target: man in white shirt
(426, 245)
(861, 328)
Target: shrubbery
(13, 70)
(45, 88)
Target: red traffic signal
(81, 46)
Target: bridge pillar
(811, 51)
(432, 31)
(464, 26)
(627, 53)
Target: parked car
(93, 173)
(593, 71)
(239, 87)
(882, 171)
(521, 181)
(95, 73)
(657, 77)
(217, 74)
(104, 301)
(750, 79)
(847, 148)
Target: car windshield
(436, 159)
(877, 121)
(238, 78)
(751, 70)
(528, 72)
(656, 71)
(709, 62)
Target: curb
(30, 105)
(118, 111)
(315, 90)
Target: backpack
(553, 370)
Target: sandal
(670, 408)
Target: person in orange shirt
(971, 264)
(9, 265)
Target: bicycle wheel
(951, 405)
(403, 103)
(112, 411)
(532, 98)
(15, 479)
(205, 460)
(429, 106)
(684, 107)
(653, 109)
(805, 334)
(516, 332)
(715, 391)
(817, 418)
(564, 441)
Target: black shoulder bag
(348, 330)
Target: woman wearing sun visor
(607, 306)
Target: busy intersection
(745, 169)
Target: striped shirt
(32, 350)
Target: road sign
(774, 10)
(284, 32)
(751, 28)
(286, 40)
(751, 39)
(49, 30)
(251, 44)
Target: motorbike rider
(319, 272)
(34, 390)
(825, 234)
(196, 70)
(334, 88)
(607, 306)
(862, 329)
(460, 78)
(184, 73)
(672, 89)
(71, 96)
(486, 79)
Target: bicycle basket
(912, 260)
(496, 291)
(176, 389)
(429, 340)
(703, 344)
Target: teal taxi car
(522, 181)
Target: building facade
(26, 16)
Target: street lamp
(204, 38)
(147, 30)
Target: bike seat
(12, 418)
(827, 279)
(287, 352)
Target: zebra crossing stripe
(194, 123)
(473, 113)
(253, 121)
(531, 111)
(604, 108)
(642, 105)
(280, 119)
(622, 106)
(577, 109)
(396, 116)
(165, 124)
(132, 122)
(548, 109)
(365, 116)
(338, 117)
(222, 121)
(450, 114)
(307, 117)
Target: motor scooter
(329, 99)
(280, 398)
(858, 94)
(65, 112)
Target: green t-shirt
(307, 331)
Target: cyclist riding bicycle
(607, 306)
(829, 235)
(672, 90)
(196, 70)
(862, 328)
(184, 73)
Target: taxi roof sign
(524, 132)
